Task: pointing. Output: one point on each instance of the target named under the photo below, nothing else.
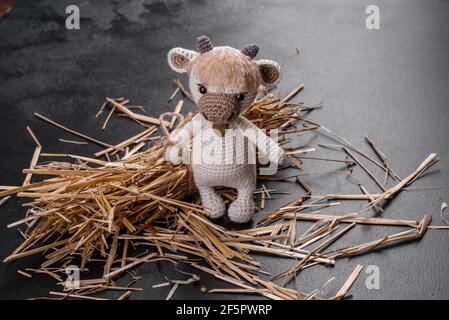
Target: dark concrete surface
(391, 84)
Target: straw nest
(101, 210)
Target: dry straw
(94, 210)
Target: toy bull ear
(179, 59)
(270, 72)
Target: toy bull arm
(266, 145)
(179, 139)
(182, 135)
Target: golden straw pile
(99, 210)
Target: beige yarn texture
(231, 167)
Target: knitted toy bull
(223, 82)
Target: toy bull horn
(250, 51)
(204, 44)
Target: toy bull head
(223, 80)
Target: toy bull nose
(223, 82)
(219, 108)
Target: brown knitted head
(223, 81)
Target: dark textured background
(391, 84)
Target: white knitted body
(216, 161)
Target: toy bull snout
(219, 108)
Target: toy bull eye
(202, 89)
(240, 96)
